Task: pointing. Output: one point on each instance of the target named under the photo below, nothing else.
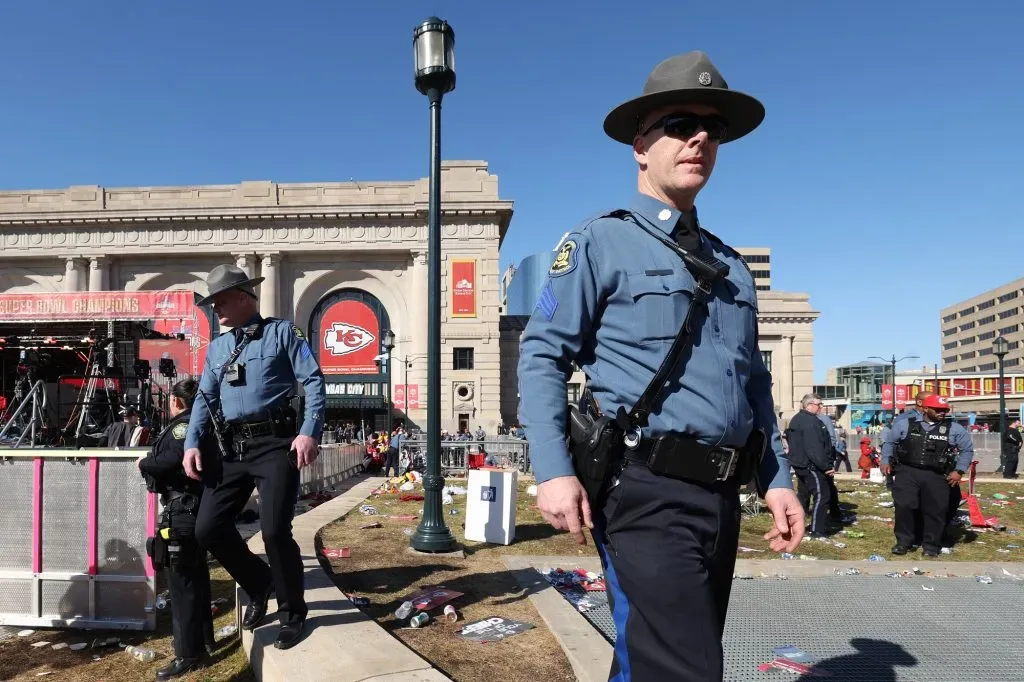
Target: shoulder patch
(566, 260)
(298, 332)
(179, 431)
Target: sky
(886, 177)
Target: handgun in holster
(596, 446)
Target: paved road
(862, 628)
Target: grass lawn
(862, 499)
(381, 570)
(19, 661)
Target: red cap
(936, 402)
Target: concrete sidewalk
(341, 643)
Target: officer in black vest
(175, 546)
(927, 454)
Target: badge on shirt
(565, 261)
(298, 332)
(179, 431)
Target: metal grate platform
(870, 629)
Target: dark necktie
(687, 232)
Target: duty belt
(251, 429)
(681, 456)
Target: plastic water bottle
(226, 631)
(404, 611)
(141, 654)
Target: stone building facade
(315, 243)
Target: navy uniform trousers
(189, 583)
(668, 549)
(925, 492)
(266, 466)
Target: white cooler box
(491, 506)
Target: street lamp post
(1000, 347)
(389, 345)
(892, 363)
(433, 44)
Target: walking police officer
(810, 453)
(188, 575)
(617, 299)
(248, 381)
(927, 454)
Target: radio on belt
(235, 374)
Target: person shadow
(874, 661)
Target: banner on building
(69, 306)
(902, 393)
(414, 396)
(349, 339)
(464, 288)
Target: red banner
(70, 306)
(349, 339)
(463, 288)
(414, 396)
(902, 393)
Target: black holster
(596, 446)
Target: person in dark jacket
(188, 575)
(1012, 441)
(810, 454)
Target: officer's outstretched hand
(193, 463)
(788, 514)
(305, 448)
(563, 503)
(953, 479)
(885, 469)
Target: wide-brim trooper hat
(688, 78)
(224, 277)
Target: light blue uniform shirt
(274, 360)
(958, 438)
(829, 426)
(614, 301)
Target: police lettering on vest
(926, 449)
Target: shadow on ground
(875, 660)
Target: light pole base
(434, 539)
(454, 554)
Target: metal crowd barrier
(336, 462)
(73, 539)
(986, 448)
(506, 453)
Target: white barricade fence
(73, 539)
(336, 462)
(510, 453)
(986, 448)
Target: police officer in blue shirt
(927, 454)
(248, 381)
(616, 297)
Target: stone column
(268, 289)
(74, 274)
(786, 376)
(246, 261)
(98, 268)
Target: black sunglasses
(685, 126)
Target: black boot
(900, 549)
(179, 667)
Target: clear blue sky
(886, 177)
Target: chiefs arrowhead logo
(342, 339)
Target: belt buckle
(730, 466)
